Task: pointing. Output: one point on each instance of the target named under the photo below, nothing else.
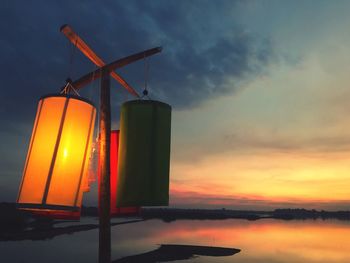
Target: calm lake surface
(264, 240)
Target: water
(260, 241)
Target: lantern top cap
(69, 96)
(146, 102)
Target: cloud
(330, 143)
(253, 143)
(201, 53)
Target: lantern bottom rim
(29, 206)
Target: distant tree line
(14, 220)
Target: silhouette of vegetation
(171, 214)
(304, 214)
(167, 253)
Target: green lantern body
(144, 154)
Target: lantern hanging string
(93, 158)
(146, 70)
(72, 51)
(94, 86)
(92, 175)
(95, 141)
(64, 90)
(69, 87)
(74, 90)
(98, 115)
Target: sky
(259, 91)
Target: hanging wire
(98, 107)
(93, 86)
(125, 95)
(95, 140)
(93, 160)
(146, 70)
(70, 51)
(69, 88)
(73, 48)
(65, 89)
(74, 90)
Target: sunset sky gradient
(260, 91)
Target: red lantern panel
(114, 150)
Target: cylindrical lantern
(58, 154)
(114, 149)
(144, 154)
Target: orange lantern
(58, 155)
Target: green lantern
(144, 154)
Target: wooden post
(104, 186)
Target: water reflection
(260, 241)
(50, 231)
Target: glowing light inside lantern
(58, 154)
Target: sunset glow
(282, 141)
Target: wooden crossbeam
(90, 54)
(88, 78)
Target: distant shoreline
(171, 214)
(21, 225)
(10, 215)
